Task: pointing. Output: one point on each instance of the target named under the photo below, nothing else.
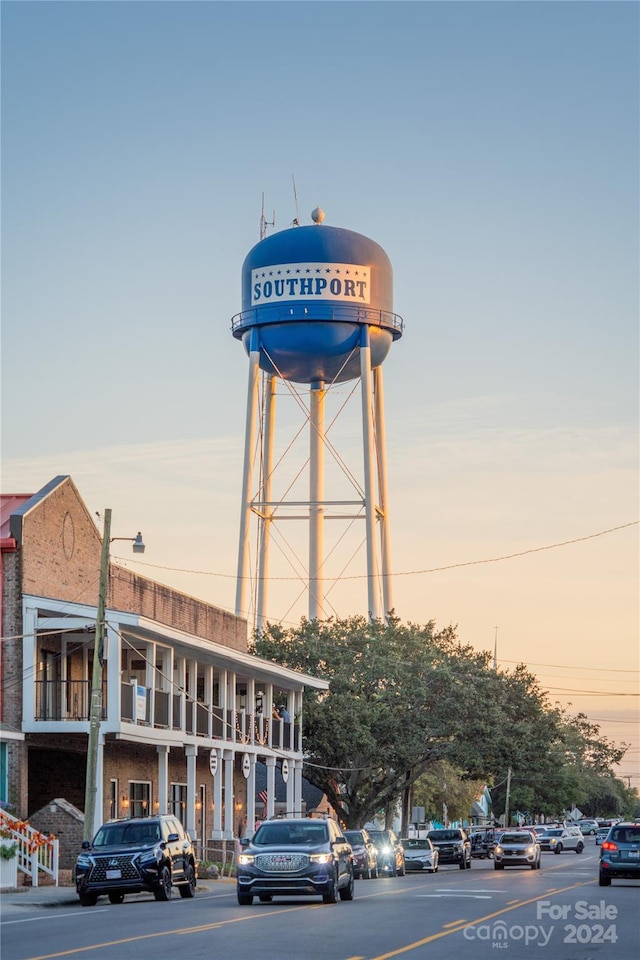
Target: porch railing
(36, 851)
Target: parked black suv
(130, 856)
(453, 845)
(295, 858)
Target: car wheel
(188, 889)
(498, 866)
(332, 895)
(245, 899)
(347, 892)
(116, 897)
(163, 891)
(604, 881)
(88, 899)
(265, 898)
(580, 848)
(558, 848)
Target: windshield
(516, 838)
(444, 835)
(416, 844)
(116, 834)
(553, 833)
(274, 834)
(354, 836)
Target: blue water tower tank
(307, 294)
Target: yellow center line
(166, 933)
(464, 923)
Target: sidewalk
(14, 900)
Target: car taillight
(609, 845)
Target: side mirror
(245, 841)
(173, 837)
(86, 844)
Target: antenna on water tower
(296, 222)
(264, 223)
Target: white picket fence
(36, 852)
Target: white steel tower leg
(247, 478)
(266, 497)
(383, 492)
(369, 476)
(316, 501)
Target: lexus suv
(453, 845)
(295, 858)
(620, 854)
(131, 856)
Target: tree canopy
(404, 698)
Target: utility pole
(506, 802)
(96, 686)
(95, 717)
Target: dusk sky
(490, 148)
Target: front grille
(281, 862)
(514, 853)
(123, 863)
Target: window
(139, 798)
(178, 801)
(113, 799)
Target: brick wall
(61, 547)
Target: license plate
(114, 875)
(634, 854)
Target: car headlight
(386, 850)
(530, 850)
(83, 861)
(320, 857)
(245, 859)
(497, 848)
(553, 841)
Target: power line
(404, 573)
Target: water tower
(317, 309)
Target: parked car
(588, 828)
(420, 854)
(365, 854)
(390, 852)
(301, 857)
(453, 846)
(131, 856)
(557, 839)
(602, 835)
(516, 849)
(620, 854)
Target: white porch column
(251, 797)
(163, 778)
(191, 752)
(297, 787)
(229, 799)
(290, 785)
(271, 786)
(217, 799)
(98, 815)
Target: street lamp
(96, 677)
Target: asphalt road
(451, 915)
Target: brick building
(187, 711)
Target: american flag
(263, 796)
